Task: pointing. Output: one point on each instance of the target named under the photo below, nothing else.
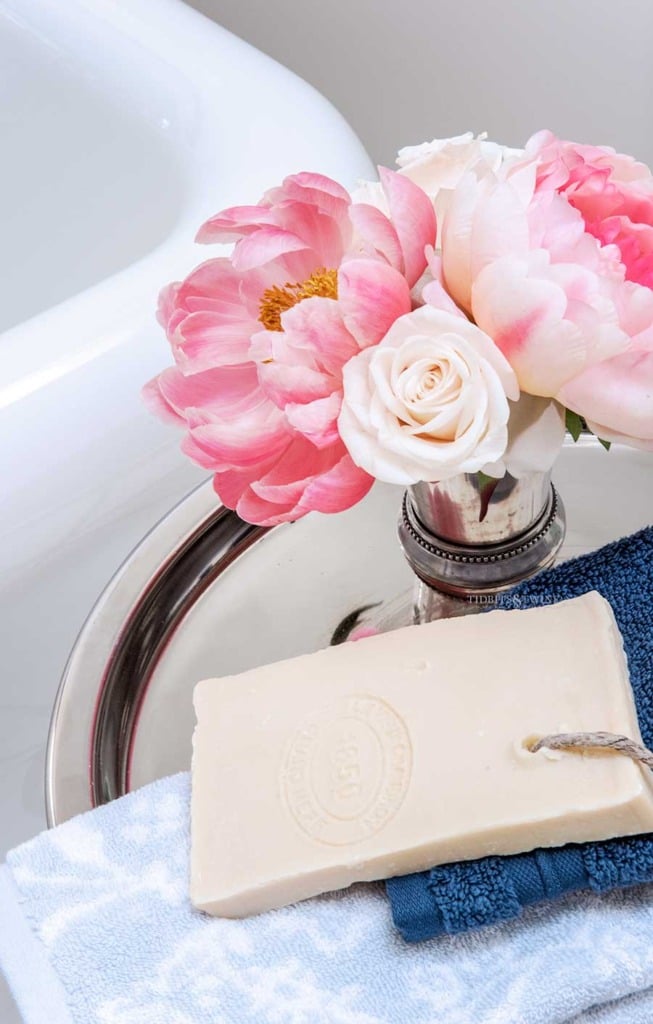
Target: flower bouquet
(447, 322)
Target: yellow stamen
(276, 301)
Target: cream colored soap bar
(403, 751)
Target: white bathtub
(124, 124)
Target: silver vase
(468, 539)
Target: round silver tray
(205, 594)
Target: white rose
(429, 402)
(438, 166)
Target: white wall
(402, 72)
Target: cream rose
(438, 166)
(429, 402)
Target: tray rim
(69, 766)
(69, 784)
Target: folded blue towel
(96, 928)
(457, 897)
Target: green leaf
(606, 444)
(574, 424)
(485, 481)
(487, 486)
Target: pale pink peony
(520, 258)
(260, 339)
(523, 267)
(616, 395)
(612, 192)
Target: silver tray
(205, 594)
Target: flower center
(430, 381)
(275, 300)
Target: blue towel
(456, 897)
(96, 928)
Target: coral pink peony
(260, 339)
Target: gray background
(403, 72)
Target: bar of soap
(407, 750)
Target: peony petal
(317, 189)
(167, 303)
(224, 390)
(288, 478)
(318, 420)
(457, 241)
(500, 225)
(371, 296)
(204, 340)
(265, 245)
(234, 223)
(413, 216)
(254, 509)
(433, 291)
(616, 397)
(340, 488)
(231, 484)
(326, 237)
(246, 441)
(156, 402)
(315, 326)
(377, 231)
(614, 437)
(285, 384)
(525, 310)
(486, 220)
(536, 432)
(434, 294)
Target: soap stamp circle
(346, 770)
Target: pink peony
(550, 260)
(612, 192)
(614, 196)
(260, 339)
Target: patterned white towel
(96, 928)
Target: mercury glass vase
(469, 539)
